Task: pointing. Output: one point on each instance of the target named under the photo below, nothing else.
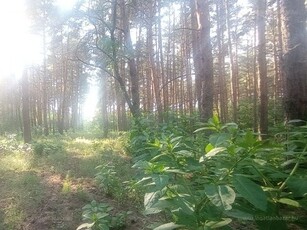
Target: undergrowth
(220, 175)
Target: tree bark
(203, 59)
(26, 108)
(222, 87)
(233, 70)
(295, 59)
(261, 15)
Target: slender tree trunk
(295, 59)
(26, 108)
(221, 28)
(135, 96)
(233, 72)
(44, 88)
(152, 66)
(104, 107)
(203, 58)
(280, 44)
(161, 63)
(133, 101)
(261, 15)
(255, 81)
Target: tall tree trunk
(261, 15)
(203, 58)
(295, 59)
(104, 107)
(26, 108)
(222, 87)
(152, 66)
(133, 101)
(255, 81)
(233, 71)
(44, 87)
(161, 62)
(135, 94)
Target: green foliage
(47, 147)
(220, 173)
(107, 179)
(11, 143)
(146, 131)
(99, 217)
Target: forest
(198, 115)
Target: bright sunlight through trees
(18, 46)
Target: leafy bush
(11, 143)
(145, 131)
(107, 179)
(47, 147)
(207, 181)
(99, 217)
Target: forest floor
(48, 190)
(45, 186)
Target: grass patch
(21, 192)
(46, 187)
(15, 161)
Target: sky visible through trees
(209, 98)
(152, 58)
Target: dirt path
(47, 191)
(60, 209)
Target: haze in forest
(195, 110)
(151, 59)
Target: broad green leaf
(216, 120)
(239, 214)
(303, 203)
(218, 224)
(85, 226)
(160, 181)
(182, 218)
(220, 195)
(144, 181)
(184, 205)
(153, 210)
(212, 153)
(288, 162)
(215, 151)
(101, 215)
(204, 128)
(141, 164)
(231, 127)
(260, 162)
(251, 191)
(298, 186)
(177, 171)
(151, 198)
(175, 139)
(290, 202)
(295, 121)
(219, 139)
(185, 153)
(168, 226)
(209, 147)
(249, 139)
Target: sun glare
(65, 4)
(91, 101)
(18, 46)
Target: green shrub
(107, 179)
(222, 173)
(98, 216)
(47, 147)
